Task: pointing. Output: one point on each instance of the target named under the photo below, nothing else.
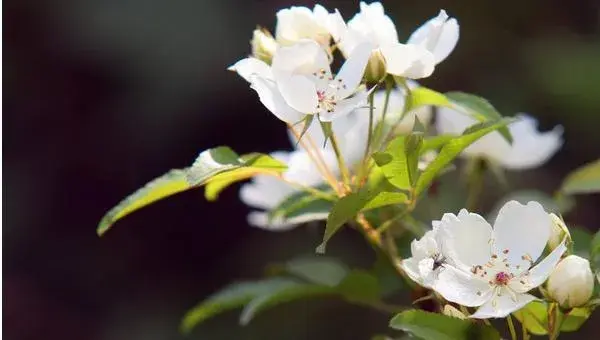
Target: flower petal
(502, 305)
(344, 107)
(351, 73)
(439, 35)
(304, 57)
(374, 25)
(465, 239)
(411, 268)
(530, 147)
(541, 271)
(521, 233)
(462, 288)
(299, 92)
(272, 99)
(260, 220)
(410, 61)
(251, 66)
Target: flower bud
(558, 233)
(450, 310)
(571, 283)
(375, 70)
(263, 45)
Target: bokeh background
(102, 96)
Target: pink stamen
(502, 278)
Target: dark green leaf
(319, 270)
(307, 121)
(581, 241)
(299, 204)
(453, 148)
(479, 108)
(231, 297)
(584, 180)
(343, 210)
(440, 327)
(359, 286)
(281, 294)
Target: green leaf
(249, 165)
(393, 163)
(412, 148)
(231, 297)
(298, 204)
(453, 148)
(422, 96)
(584, 180)
(308, 119)
(319, 270)
(435, 142)
(479, 108)
(285, 293)
(575, 319)
(350, 205)
(219, 166)
(327, 128)
(343, 210)
(440, 327)
(173, 182)
(595, 252)
(581, 241)
(534, 316)
(360, 286)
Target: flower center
(327, 103)
(502, 278)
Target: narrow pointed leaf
(299, 204)
(318, 270)
(584, 180)
(479, 108)
(231, 297)
(393, 163)
(453, 148)
(432, 326)
(412, 148)
(287, 293)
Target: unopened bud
(558, 233)
(375, 71)
(263, 45)
(571, 284)
(450, 310)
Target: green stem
(340, 160)
(475, 183)
(405, 109)
(389, 86)
(511, 327)
(388, 223)
(526, 335)
(370, 132)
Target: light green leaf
(249, 165)
(584, 180)
(393, 163)
(281, 294)
(435, 142)
(173, 182)
(575, 319)
(453, 148)
(360, 286)
(412, 149)
(422, 96)
(319, 270)
(534, 316)
(440, 327)
(231, 297)
(479, 108)
(221, 165)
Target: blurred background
(102, 96)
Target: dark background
(102, 96)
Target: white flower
(495, 267)
(300, 82)
(571, 283)
(297, 23)
(530, 148)
(395, 108)
(428, 45)
(427, 259)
